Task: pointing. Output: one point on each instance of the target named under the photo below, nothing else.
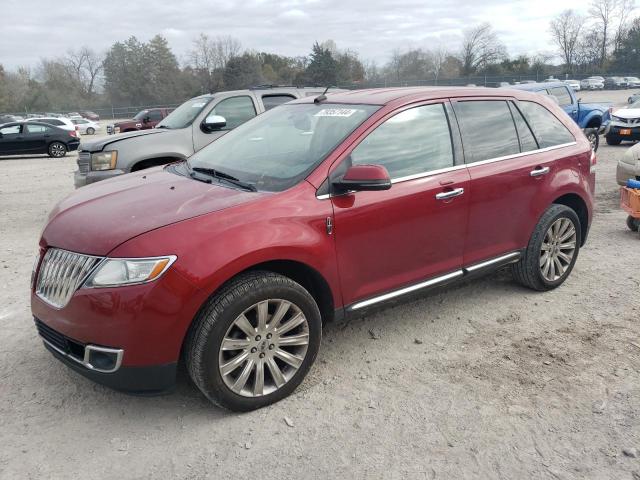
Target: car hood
(99, 144)
(627, 113)
(99, 217)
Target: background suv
(319, 209)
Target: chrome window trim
(468, 165)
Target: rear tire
(90, 131)
(57, 149)
(593, 137)
(613, 141)
(633, 223)
(253, 369)
(552, 250)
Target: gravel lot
(483, 380)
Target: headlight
(104, 160)
(116, 129)
(114, 272)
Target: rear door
(510, 170)
(35, 137)
(413, 232)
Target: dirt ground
(483, 380)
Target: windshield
(140, 115)
(277, 149)
(186, 113)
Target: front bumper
(80, 179)
(614, 130)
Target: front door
(11, 139)
(235, 110)
(389, 240)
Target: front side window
(279, 148)
(11, 130)
(155, 115)
(549, 131)
(271, 101)
(488, 130)
(235, 110)
(185, 114)
(414, 141)
(562, 94)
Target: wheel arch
(578, 205)
(593, 120)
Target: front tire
(633, 223)
(253, 342)
(552, 250)
(57, 150)
(613, 141)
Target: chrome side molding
(506, 259)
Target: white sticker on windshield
(336, 112)
(198, 105)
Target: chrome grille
(61, 273)
(84, 159)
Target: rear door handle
(539, 172)
(449, 194)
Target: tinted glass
(36, 128)
(155, 115)
(527, 140)
(412, 142)
(487, 129)
(549, 131)
(282, 146)
(12, 130)
(562, 94)
(271, 101)
(235, 110)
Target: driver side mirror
(364, 178)
(214, 122)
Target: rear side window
(36, 128)
(270, 101)
(235, 110)
(562, 94)
(414, 141)
(549, 131)
(487, 129)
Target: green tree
(243, 71)
(322, 68)
(627, 56)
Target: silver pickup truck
(187, 129)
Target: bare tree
(210, 56)
(625, 9)
(438, 57)
(84, 66)
(565, 33)
(604, 14)
(480, 47)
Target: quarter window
(271, 101)
(562, 94)
(487, 129)
(549, 131)
(235, 110)
(414, 141)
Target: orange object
(630, 201)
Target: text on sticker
(335, 112)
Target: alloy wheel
(58, 150)
(558, 249)
(263, 348)
(593, 140)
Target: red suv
(322, 208)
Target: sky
(35, 29)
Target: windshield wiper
(223, 176)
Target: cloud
(374, 28)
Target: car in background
(89, 115)
(60, 122)
(33, 137)
(187, 129)
(624, 125)
(574, 84)
(629, 165)
(615, 83)
(591, 84)
(632, 82)
(633, 98)
(86, 127)
(591, 117)
(550, 79)
(8, 119)
(143, 120)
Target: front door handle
(539, 171)
(449, 194)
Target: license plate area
(625, 131)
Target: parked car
(591, 84)
(36, 137)
(574, 84)
(7, 119)
(233, 259)
(624, 125)
(632, 82)
(629, 165)
(89, 115)
(86, 126)
(615, 83)
(60, 122)
(190, 127)
(551, 79)
(143, 120)
(591, 117)
(633, 98)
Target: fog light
(102, 359)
